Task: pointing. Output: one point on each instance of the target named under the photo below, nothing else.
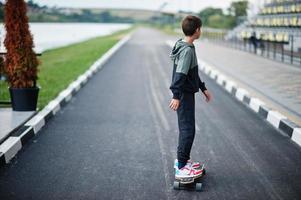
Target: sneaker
(193, 164)
(187, 172)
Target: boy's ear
(197, 30)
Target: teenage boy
(185, 83)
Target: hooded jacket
(185, 76)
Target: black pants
(186, 123)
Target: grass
(59, 67)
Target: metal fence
(287, 52)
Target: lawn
(59, 67)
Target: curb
(10, 147)
(275, 118)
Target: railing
(288, 52)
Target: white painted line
(297, 136)
(169, 43)
(156, 101)
(230, 85)
(94, 67)
(214, 73)
(197, 128)
(163, 73)
(201, 63)
(10, 147)
(45, 112)
(75, 85)
(54, 105)
(102, 60)
(25, 132)
(37, 122)
(207, 69)
(67, 94)
(89, 73)
(59, 98)
(220, 79)
(274, 118)
(255, 104)
(240, 93)
(82, 78)
(98, 62)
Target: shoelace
(191, 170)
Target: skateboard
(190, 183)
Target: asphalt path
(117, 139)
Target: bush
(20, 61)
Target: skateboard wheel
(176, 185)
(198, 186)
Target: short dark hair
(190, 23)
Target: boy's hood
(179, 46)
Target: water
(52, 35)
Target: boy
(186, 82)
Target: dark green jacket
(185, 76)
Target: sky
(172, 5)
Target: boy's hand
(207, 95)
(174, 104)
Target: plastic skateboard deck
(190, 183)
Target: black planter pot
(24, 99)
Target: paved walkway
(117, 140)
(11, 120)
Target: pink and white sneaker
(187, 174)
(193, 164)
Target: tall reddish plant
(1, 66)
(21, 63)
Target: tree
(215, 18)
(1, 12)
(239, 8)
(1, 66)
(105, 16)
(221, 21)
(207, 12)
(20, 61)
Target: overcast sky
(173, 5)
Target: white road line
(157, 102)
(197, 128)
(163, 73)
(164, 154)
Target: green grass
(59, 67)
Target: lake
(52, 35)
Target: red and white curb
(10, 147)
(275, 118)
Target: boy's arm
(202, 85)
(181, 72)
